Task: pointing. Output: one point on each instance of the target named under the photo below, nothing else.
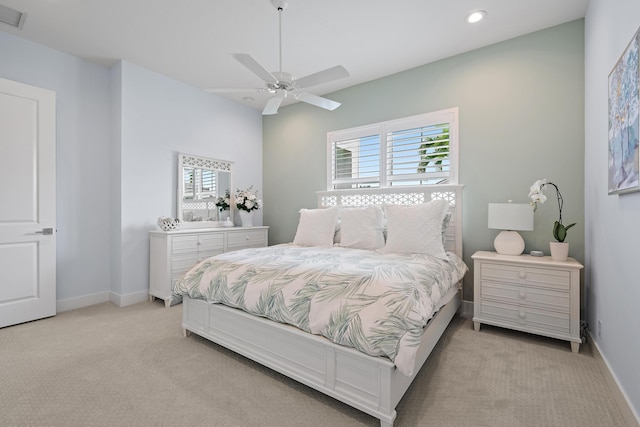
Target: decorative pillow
(362, 228)
(316, 227)
(416, 229)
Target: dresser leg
(575, 347)
(167, 303)
(476, 326)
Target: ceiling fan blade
(255, 67)
(272, 106)
(318, 101)
(324, 76)
(235, 90)
(274, 103)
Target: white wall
(83, 169)
(118, 134)
(612, 235)
(160, 117)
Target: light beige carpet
(110, 366)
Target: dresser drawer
(543, 277)
(246, 239)
(211, 242)
(526, 295)
(180, 264)
(184, 244)
(525, 318)
(202, 255)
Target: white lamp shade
(511, 216)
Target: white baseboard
(128, 299)
(99, 298)
(83, 301)
(622, 400)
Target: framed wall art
(623, 121)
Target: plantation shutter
(355, 160)
(418, 150)
(419, 155)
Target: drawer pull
(522, 315)
(522, 294)
(247, 238)
(522, 274)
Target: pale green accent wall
(521, 106)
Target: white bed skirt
(370, 384)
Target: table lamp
(511, 218)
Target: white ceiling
(192, 40)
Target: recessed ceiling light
(476, 16)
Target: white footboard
(370, 384)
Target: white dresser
(173, 253)
(529, 294)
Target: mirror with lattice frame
(201, 183)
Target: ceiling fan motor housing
(280, 4)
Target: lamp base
(509, 243)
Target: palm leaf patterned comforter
(375, 303)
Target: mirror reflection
(202, 182)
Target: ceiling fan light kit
(280, 83)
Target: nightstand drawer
(526, 295)
(545, 277)
(529, 318)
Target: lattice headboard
(404, 196)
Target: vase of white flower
(559, 249)
(246, 218)
(247, 201)
(223, 204)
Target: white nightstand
(529, 294)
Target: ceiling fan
(281, 84)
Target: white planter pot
(559, 251)
(246, 218)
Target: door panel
(27, 203)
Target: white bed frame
(370, 384)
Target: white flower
(538, 197)
(535, 193)
(247, 200)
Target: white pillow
(416, 229)
(362, 228)
(316, 227)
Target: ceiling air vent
(12, 17)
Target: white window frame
(449, 115)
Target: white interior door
(27, 203)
